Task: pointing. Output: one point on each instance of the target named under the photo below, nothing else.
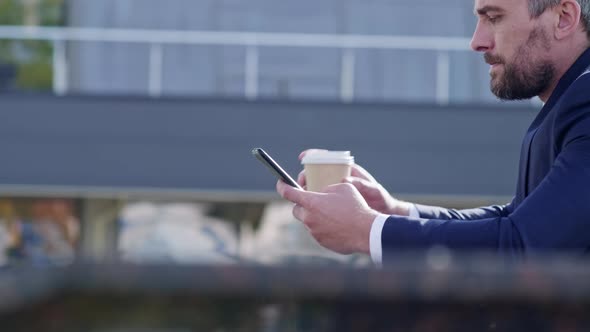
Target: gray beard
(517, 84)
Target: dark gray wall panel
(205, 144)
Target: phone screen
(266, 159)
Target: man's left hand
(338, 218)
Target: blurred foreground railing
(251, 41)
(416, 293)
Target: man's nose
(482, 40)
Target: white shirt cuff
(375, 245)
(414, 212)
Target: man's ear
(569, 14)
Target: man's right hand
(372, 191)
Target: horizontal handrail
(236, 38)
(215, 195)
(156, 39)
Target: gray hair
(538, 7)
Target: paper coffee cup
(324, 168)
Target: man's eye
(493, 19)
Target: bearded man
(534, 48)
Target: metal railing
(251, 41)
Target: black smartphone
(274, 167)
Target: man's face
(516, 48)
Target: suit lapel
(522, 190)
(577, 70)
(525, 157)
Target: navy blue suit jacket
(551, 208)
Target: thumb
(361, 185)
(297, 196)
(357, 182)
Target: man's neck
(568, 59)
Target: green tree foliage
(31, 58)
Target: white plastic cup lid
(328, 157)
